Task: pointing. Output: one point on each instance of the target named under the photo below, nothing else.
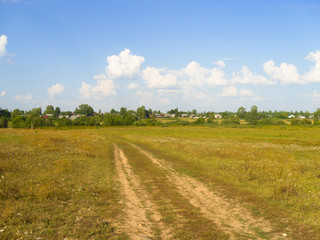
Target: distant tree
(3, 122)
(84, 109)
(241, 113)
(49, 110)
(194, 111)
(108, 120)
(113, 111)
(33, 118)
(56, 112)
(5, 113)
(176, 112)
(15, 113)
(200, 120)
(128, 120)
(123, 111)
(141, 112)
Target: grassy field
(92, 183)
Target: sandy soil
(142, 220)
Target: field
(160, 183)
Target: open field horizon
(160, 183)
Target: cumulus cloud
(124, 65)
(232, 91)
(3, 93)
(220, 63)
(133, 86)
(145, 97)
(229, 91)
(245, 76)
(194, 74)
(216, 77)
(3, 43)
(56, 89)
(28, 97)
(103, 88)
(314, 74)
(288, 73)
(158, 78)
(285, 73)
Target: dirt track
(229, 215)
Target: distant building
(301, 117)
(291, 116)
(218, 116)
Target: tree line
(84, 115)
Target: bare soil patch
(142, 220)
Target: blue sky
(208, 55)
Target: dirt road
(144, 220)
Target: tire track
(142, 218)
(227, 214)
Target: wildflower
(284, 234)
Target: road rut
(227, 214)
(142, 220)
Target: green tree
(3, 122)
(56, 112)
(49, 110)
(241, 113)
(123, 111)
(5, 113)
(141, 112)
(128, 120)
(200, 120)
(84, 109)
(15, 113)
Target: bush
(231, 120)
(3, 122)
(199, 121)
(19, 122)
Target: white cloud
(168, 92)
(165, 101)
(133, 86)
(124, 65)
(229, 91)
(246, 93)
(3, 43)
(286, 73)
(103, 88)
(220, 63)
(3, 93)
(314, 74)
(232, 91)
(245, 76)
(145, 97)
(313, 94)
(194, 74)
(216, 77)
(28, 97)
(56, 89)
(158, 78)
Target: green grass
(56, 184)
(273, 169)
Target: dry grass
(56, 184)
(61, 184)
(275, 168)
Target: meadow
(57, 184)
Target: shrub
(3, 122)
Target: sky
(206, 55)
